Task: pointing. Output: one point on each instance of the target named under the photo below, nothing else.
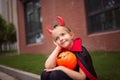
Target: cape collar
(77, 45)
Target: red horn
(62, 22)
(49, 30)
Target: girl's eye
(56, 38)
(62, 34)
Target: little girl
(63, 38)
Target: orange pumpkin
(67, 59)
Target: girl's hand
(57, 45)
(56, 68)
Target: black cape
(85, 63)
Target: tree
(7, 32)
(10, 33)
(2, 28)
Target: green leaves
(7, 32)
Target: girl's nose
(61, 39)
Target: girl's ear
(72, 34)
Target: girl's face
(63, 37)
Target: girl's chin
(66, 47)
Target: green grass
(106, 64)
(30, 63)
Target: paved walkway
(4, 76)
(16, 74)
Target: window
(103, 15)
(33, 21)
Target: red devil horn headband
(62, 23)
(49, 30)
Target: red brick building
(96, 22)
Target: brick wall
(73, 12)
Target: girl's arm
(74, 74)
(51, 61)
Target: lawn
(106, 64)
(30, 63)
